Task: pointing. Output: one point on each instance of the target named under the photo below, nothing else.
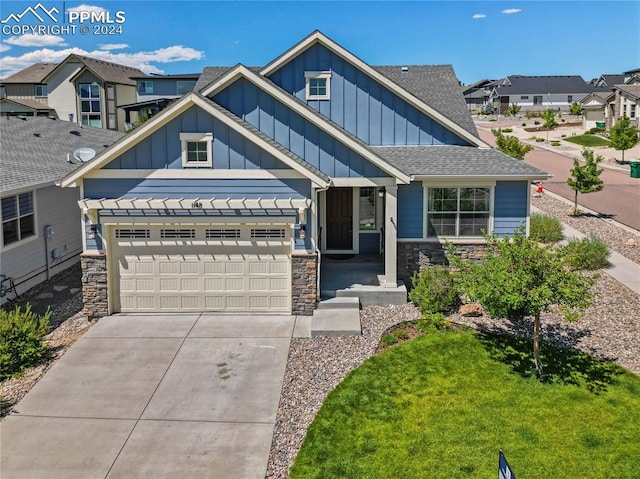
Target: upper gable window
(90, 104)
(41, 90)
(145, 87)
(197, 149)
(318, 85)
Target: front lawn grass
(588, 140)
(442, 405)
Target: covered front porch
(357, 236)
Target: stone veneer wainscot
(304, 283)
(413, 257)
(94, 285)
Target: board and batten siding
(360, 104)
(26, 262)
(511, 206)
(294, 132)
(410, 210)
(163, 148)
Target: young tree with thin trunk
(519, 278)
(549, 117)
(585, 178)
(623, 135)
(510, 145)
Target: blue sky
(481, 39)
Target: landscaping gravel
(609, 330)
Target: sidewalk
(620, 268)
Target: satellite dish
(84, 154)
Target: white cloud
(32, 40)
(86, 8)
(113, 46)
(143, 60)
(479, 15)
(511, 11)
(4, 48)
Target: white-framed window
(367, 208)
(537, 99)
(145, 86)
(524, 97)
(318, 85)
(90, 109)
(184, 86)
(569, 98)
(633, 111)
(454, 212)
(18, 218)
(41, 91)
(197, 149)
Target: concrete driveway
(189, 395)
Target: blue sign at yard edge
(504, 471)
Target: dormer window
(318, 85)
(145, 87)
(197, 149)
(41, 91)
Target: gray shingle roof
(631, 90)
(435, 85)
(543, 85)
(211, 74)
(34, 150)
(32, 74)
(456, 161)
(29, 103)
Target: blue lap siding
(410, 210)
(192, 188)
(362, 105)
(510, 211)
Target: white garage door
(195, 268)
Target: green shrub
(524, 124)
(507, 130)
(434, 290)
(536, 122)
(21, 340)
(539, 140)
(586, 253)
(545, 228)
(555, 143)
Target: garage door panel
(195, 277)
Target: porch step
(336, 322)
(343, 302)
(375, 295)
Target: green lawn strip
(588, 140)
(442, 406)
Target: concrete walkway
(620, 268)
(161, 396)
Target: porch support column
(391, 237)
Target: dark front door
(340, 218)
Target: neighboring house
(477, 94)
(627, 102)
(80, 89)
(41, 223)
(229, 198)
(537, 93)
(595, 113)
(155, 92)
(25, 93)
(608, 80)
(614, 101)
